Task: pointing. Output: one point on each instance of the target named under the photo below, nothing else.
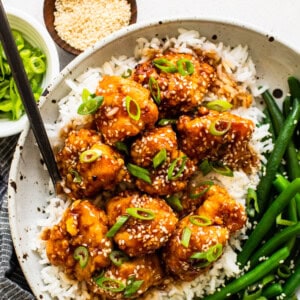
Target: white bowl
(274, 60)
(36, 34)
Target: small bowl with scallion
(41, 63)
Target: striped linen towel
(13, 285)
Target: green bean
(252, 276)
(277, 119)
(286, 106)
(275, 112)
(274, 243)
(294, 86)
(267, 220)
(272, 290)
(292, 282)
(284, 137)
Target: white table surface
(279, 18)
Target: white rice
(237, 62)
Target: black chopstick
(27, 97)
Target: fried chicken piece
(137, 236)
(177, 254)
(219, 137)
(170, 177)
(127, 109)
(87, 165)
(164, 180)
(152, 141)
(221, 209)
(82, 225)
(178, 93)
(143, 272)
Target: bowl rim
(67, 69)
(7, 127)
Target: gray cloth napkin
(13, 285)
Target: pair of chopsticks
(27, 97)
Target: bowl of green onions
(41, 63)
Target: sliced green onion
(165, 65)
(219, 105)
(251, 202)
(133, 115)
(81, 254)
(209, 256)
(164, 122)
(173, 166)
(141, 213)
(214, 252)
(37, 65)
(154, 90)
(199, 220)
(205, 167)
(284, 222)
(284, 271)
(85, 94)
(77, 178)
(159, 158)
(127, 73)
(90, 106)
(116, 227)
(118, 257)
(214, 131)
(19, 40)
(202, 257)
(205, 190)
(139, 172)
(174, 202)
(110, 284)
(132, 286)
(122, 147)
(185, 67)
(90, 155)
(222, 169)
(186, 236)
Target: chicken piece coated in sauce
(82, 225)
(188, 239)
(89, 166)
(173, 171)
(145, 231)
(129, 280)
(180, 90)
(152, 141)
(219, 137)
(127, 109)
(222, 210)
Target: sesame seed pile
(81, 23)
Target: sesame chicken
(82, 225)
(151, 142)
(221, 209)
(127, 109)
(178, 93)
(177, 254)
(164, 180)
(145, 270)
(87, 165)
(219, 137)
(138, 236)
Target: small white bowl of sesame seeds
(78, 25)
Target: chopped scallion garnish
(81, 254)
(141, 213)
(159, 158)
(116, 227)
(133, 108)
(186, 236)
(185, 67)
(173, 165)
(139, 172)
